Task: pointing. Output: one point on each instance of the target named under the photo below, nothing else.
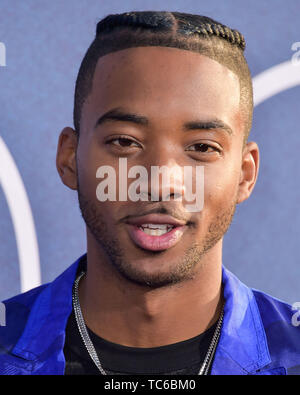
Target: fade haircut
(190, 32)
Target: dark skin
(132, 296)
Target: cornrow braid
(210, 28)
(159, 21)
(195, 33)
(164, 21)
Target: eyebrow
(117, 114)
(209, 125)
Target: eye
(123, 142)
(203, 148)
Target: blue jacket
(257, 336)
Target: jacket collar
(48, 318)
(242, 347)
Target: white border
(277, 79)
(22, 219)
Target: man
(155, 89)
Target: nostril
(172, 195)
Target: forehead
(164, 82)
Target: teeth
(154, 232)
(155, 226)
(156, 229)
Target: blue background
(45, 42)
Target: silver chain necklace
(91, 349)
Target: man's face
(170, 89)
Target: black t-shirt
(183, 358)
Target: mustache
(160, 208)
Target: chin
(153, 272)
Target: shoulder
(16, 312)
(273, 309)
(281, 322)
(44, 306)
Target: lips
(155, 232)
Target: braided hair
(195, 33)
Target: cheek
(221, 185)
(89, 159)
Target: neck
(132, 315)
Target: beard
(182, 270)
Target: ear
(249, 171)
(66, 157)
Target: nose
(166, 175)
(166, 182)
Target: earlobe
(66, 157)
(249, 171)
